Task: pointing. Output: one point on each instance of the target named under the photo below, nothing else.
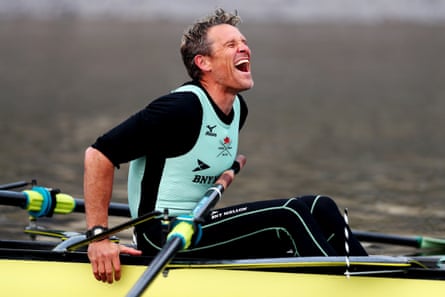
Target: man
(187, 140)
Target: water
(351, 111)
(269, 10)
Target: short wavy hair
(194, 40)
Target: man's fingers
(104, 258)
(129, 251)
(108, 275)
(101, 273)
(96, 274)
(117, 269)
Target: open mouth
(243, 65)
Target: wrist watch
(96, 230)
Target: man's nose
(242, 48)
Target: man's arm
(98, 187)
(228, 176)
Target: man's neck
(222, 98)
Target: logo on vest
(210, 132)
(201, 166)
(204, 179)
(225, 147)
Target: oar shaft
(205, 205)
(157, 265)
(115, 209)
(12, 198)
(139, 220)
(177, 239)
(20, 199)
(412, 241)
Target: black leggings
(304, 226)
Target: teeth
(241, 62)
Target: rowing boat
(34, 268)
(49, 268)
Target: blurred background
(348, 99)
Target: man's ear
(202, 62)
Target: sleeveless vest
(186, 178)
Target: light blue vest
(186, 178)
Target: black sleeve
(244, 111)
(168, 126)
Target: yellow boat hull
(51, 278)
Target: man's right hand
(104, 258)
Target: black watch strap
(236, 167)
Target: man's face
(229, 59)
